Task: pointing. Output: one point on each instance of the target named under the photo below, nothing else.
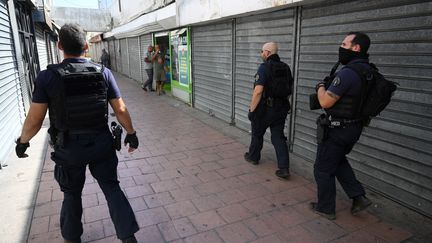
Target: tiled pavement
(188, 182)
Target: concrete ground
(188, 182)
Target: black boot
(248, 159)
(360, 203)
(131, 239)
(329, 216)
(283, 173)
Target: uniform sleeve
(342, 83)
(261, 77)
(40, 94)
(113, 90)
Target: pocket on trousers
(60, 175)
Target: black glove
(132, 139)
(251, 115)
(20, 148)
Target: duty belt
(341, 122)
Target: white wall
(195, 11)
(131, 9)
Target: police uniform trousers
(273, 117)
(331, 162)
(96, 151)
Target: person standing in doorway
(148, 66)
(105, 58)
(159, 70)
(269, 107)
(77, 93)
(341, 128)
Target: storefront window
(179, 56)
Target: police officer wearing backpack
(340, 128)
(269, 108)
(76, 93)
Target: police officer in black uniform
(269, 108)
(76, 93)
(340, 128)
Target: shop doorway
(162, 39)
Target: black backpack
(376, 90)
(282, 81)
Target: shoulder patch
(336, 81)
(256, 77)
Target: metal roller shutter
(111, 51)
(124, 57)
(134, 58)
(394, 154)
(251, 33)
(41, 47)
(145, 41)
(212, 69)
(11, 107)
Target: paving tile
(252, 178)
(323, 229)
(108, 227)
(186, 181)
(48, 185)
(190, 170)
(89, 200)
(234, 212)
(388, 232)
(206, 220)
(206, 203)
(184, 227)
(207, 237)
(173, 164)
(138, 191)
(276, 185)
(51, 237)
(149, 234)
(209, 188)
(230, 172)
(137, 204)
(269, 239)
(47, 209)
(231, 196)
(154, 168)
(151, 216)
(209, 166)
(191, 161)
(209, 176)
(184, 193)
(263, 225)
(93, 231)
(351, 223)
(43, 197)
(259, 205)
(180, 209)
(164, 186)
(176, 156)
(298, 234)
(210, 157)
(110, 239)
(288, 217)
(168, 174)
(91, 188)
(254, 190)
(156, 160)
(282, 199)
(236, 233)
(127, 182)
(128, 172)
(135, 163)
(168, 231)
(360, 236)
(146, 179)
(39, 225)
(54, 222)
(96, 213)
(158, 199)
(231, 183)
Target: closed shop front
(144, 41)
(251, 33)
(111, 51)
(212, 69)
(11, 102)
(134, 58)
(394, 154)
(124, 57)
(118, 56)
(41, 46)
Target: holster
(322, 128)
(117, 131)
(56, 138)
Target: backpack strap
(366, 75)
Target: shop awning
(161, 19)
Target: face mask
(346, 55)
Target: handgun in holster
(322, 128)
(116, 131)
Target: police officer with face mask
(77, 93)
(269, 107)
(340, 128)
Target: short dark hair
(72, 38)
(361, 39)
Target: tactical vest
(347, 107)
(81, 103)
(280, 85)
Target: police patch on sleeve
(256, 77)
(336, 81)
